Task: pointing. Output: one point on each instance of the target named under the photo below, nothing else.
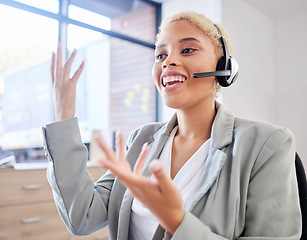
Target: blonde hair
(205, 25)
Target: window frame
(64, 20)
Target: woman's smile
(171, 81)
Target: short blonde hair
(205, 25)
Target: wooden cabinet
(27, 209)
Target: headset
(227, 68)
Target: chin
(173, 104)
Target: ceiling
(274, 8)
(277, 8)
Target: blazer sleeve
(82, 205)
(272, 209)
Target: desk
(27, 209)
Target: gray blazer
(247, 190)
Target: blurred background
(116, 40)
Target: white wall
(272, 54)
(211, 8)
(252, 34)
(291, 76)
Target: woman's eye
(160, 57)
(188, 50)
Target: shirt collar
(222, 128)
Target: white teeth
(169, 79)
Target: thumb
(157, 170)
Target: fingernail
(155, 165)
(117, 134)
(144, 146)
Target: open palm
(159, 195)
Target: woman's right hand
(64, 86)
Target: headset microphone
(227, 68)
(221, 73)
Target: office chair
(302, 188)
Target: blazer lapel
(213, 166)
(221, 136)
(160, 138)
(124, 217)
(214, 163)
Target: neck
(196, 123)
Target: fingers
(52, 67)
(120, 148)
(78, 72)
(106, 164)
(105, 148)
(138, 168)
(58, 71)
(69, 62)
(157, 170)
(59, 66)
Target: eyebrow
(188, 39)
(181, 40)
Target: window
(89, 17)
(25, 89)
(115, 91)
(48, 5)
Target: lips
(171, 80)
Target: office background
(269, 43)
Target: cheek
(206, 64)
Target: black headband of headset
(223, 42)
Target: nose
(170, 61)
(165, 65)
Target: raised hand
(160, 196)
(64, 86)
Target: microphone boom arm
(220, 73)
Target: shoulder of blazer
(258, 129)
(145, 133)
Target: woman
(217, 177)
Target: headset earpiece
(226, 63)
(233, 66)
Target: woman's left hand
(160, 196)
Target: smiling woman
(205, 174)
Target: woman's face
(181, 51)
